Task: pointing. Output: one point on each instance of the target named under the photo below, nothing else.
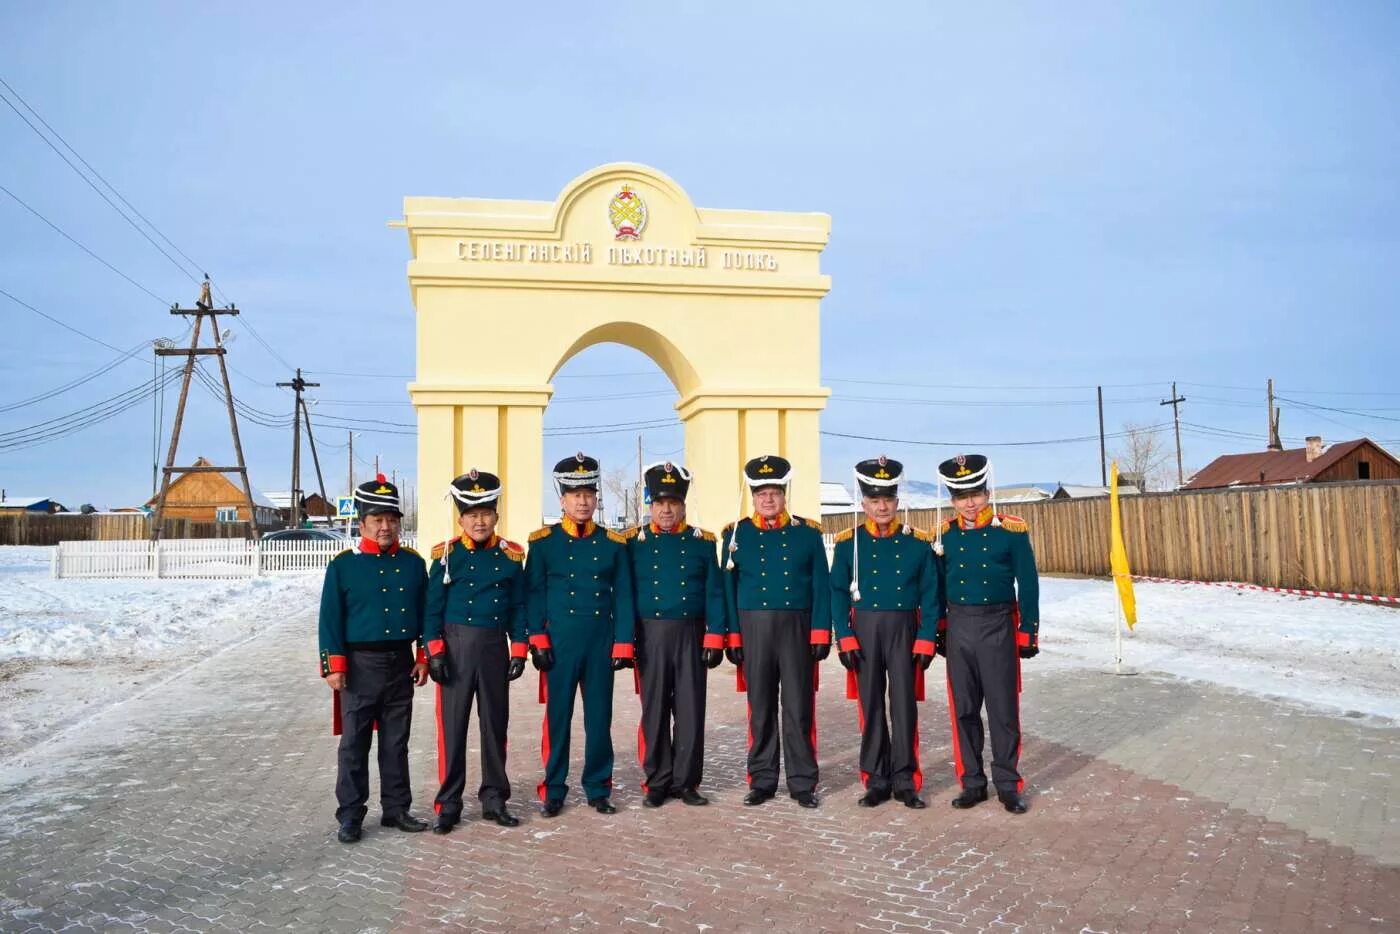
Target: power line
(64, 425)
(1328, 408)
(75, 383)
(1151, 429)
(69, 327)
(73, 240)
(91, 184)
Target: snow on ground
(71, 647)
(1316, 651)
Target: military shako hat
(378, 495)
(667, 480)
(475, 488)
(965, 473)
(579, 472)
(879, 476)
(767, 470)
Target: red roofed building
(1361, 459)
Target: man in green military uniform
(581, 621)
(371, 616)
(680, 631)
(476, 602)
(884, 606)
(778, 593)
(992, 594)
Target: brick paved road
(205, 805)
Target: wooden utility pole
(311, 439)
(203, 308)
(350, 464)
(1175, 401)
(1103, 456)
(641, 481)
(297, 385)
(1275, 442)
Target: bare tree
(1143, 453)
(618, 488)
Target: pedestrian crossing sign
(345, 507)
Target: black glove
(517, 668)
(437, 668)
(820, 650)
(922, 660)
(1029, 651)
(620, 663)
(542, 659)
(712, 657)
(735, 654)
(940, 643)
(851, 660)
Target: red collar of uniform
(658, 530)
(369, 546)
(777, 522)
(471, 544)
(875, 532)
(574, 530)
(983, 519)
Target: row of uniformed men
(590, 602)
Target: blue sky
(1026, 201)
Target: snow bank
(1327, 653)
(73, 620)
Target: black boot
(349, 831)
(602, 805)
(691, 797)
(405, 822)
(970, 797)
(654, 799)
(552, 807)
(757, 796)
(806, 799)
(444, 824)
(501, 816)
(873, 798)
(910, 799)
(1013, 802)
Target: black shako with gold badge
(884, 608)
(681, 627)
(580, 617)
(778, 591)
(991, 619)
(371, 616)
(474, 627)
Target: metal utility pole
(297, 385)
(204, 307)
(1175, 401)
(641, 481)
(1275, 442)
(1103, 456)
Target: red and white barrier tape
(1334, 595)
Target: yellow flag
(1118, 554)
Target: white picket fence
(201, 558)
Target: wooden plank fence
(43, 529)
(1326, 536)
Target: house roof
(259, 498)
(1270, 467)
(23, 502)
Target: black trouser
(478, 659)
(889, 752)
(778, 655)
(673, 689)
(378, 689)
(984, 667)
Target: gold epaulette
(541, 533)
(440, 547)
(707, 536)
(1014, 523)
(921, 535)
(412, 551)
(845, 535)
(632, 532)
(948, 524)
(728, 528)
(513, 551)
(617, 537)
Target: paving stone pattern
(1157, 805)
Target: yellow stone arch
(725, 302)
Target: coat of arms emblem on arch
(627, 213)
